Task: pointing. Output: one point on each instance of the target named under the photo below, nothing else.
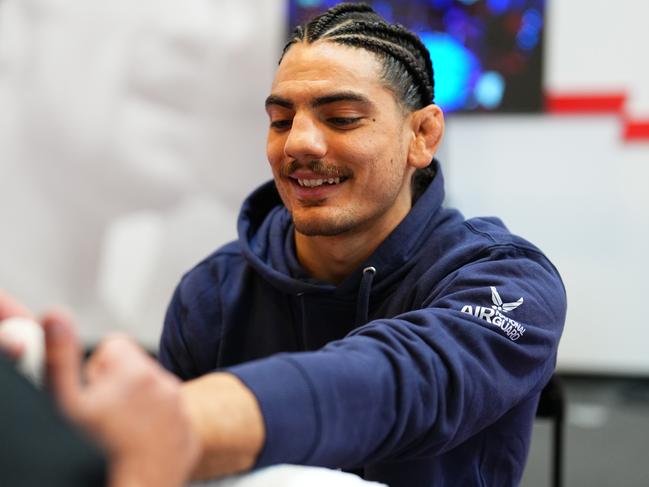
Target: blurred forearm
(226, 417)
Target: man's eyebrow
(278, 100)
(321, 100)
(340, 96)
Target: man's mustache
(319, 167)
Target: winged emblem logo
(498, 302)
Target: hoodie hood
(266, 237)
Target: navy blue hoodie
(422, 368)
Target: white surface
(597, 45)
(571, 184)
(130, 132)
(293, 476)
(30, 335)
(573, 188)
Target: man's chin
(316, 228)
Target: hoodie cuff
(288, 405)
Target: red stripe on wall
(635, 130)
(585, 102)
(592, 103)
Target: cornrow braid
(406, 65)
(322, 22)
(356, 34)
(406, 38)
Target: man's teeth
(312, 183)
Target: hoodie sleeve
(422, 382)
(193, 317)
(173, 352)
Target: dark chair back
(552, 406)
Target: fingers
(63, 361)
(9, 307)
(135, 411)
(117, 353)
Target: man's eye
(343, 121)
(281, 124)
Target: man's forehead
(328, 65)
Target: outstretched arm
(227, 418)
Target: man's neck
(331, 259)
(334, 258)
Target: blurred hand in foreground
(122, 398)
(128, 403)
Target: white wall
(129, 133)
(599, 46)
(572, 185)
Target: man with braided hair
(357, 323)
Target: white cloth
(292, 476)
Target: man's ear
(427, 129)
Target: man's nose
(305, 140)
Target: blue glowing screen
(487, 54)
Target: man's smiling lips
(312, 183)
(309, 185)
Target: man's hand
(132, 407)
(156, 431)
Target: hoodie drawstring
(302, 328)
(362, 305)
(363, 300)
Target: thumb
(63, 361)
